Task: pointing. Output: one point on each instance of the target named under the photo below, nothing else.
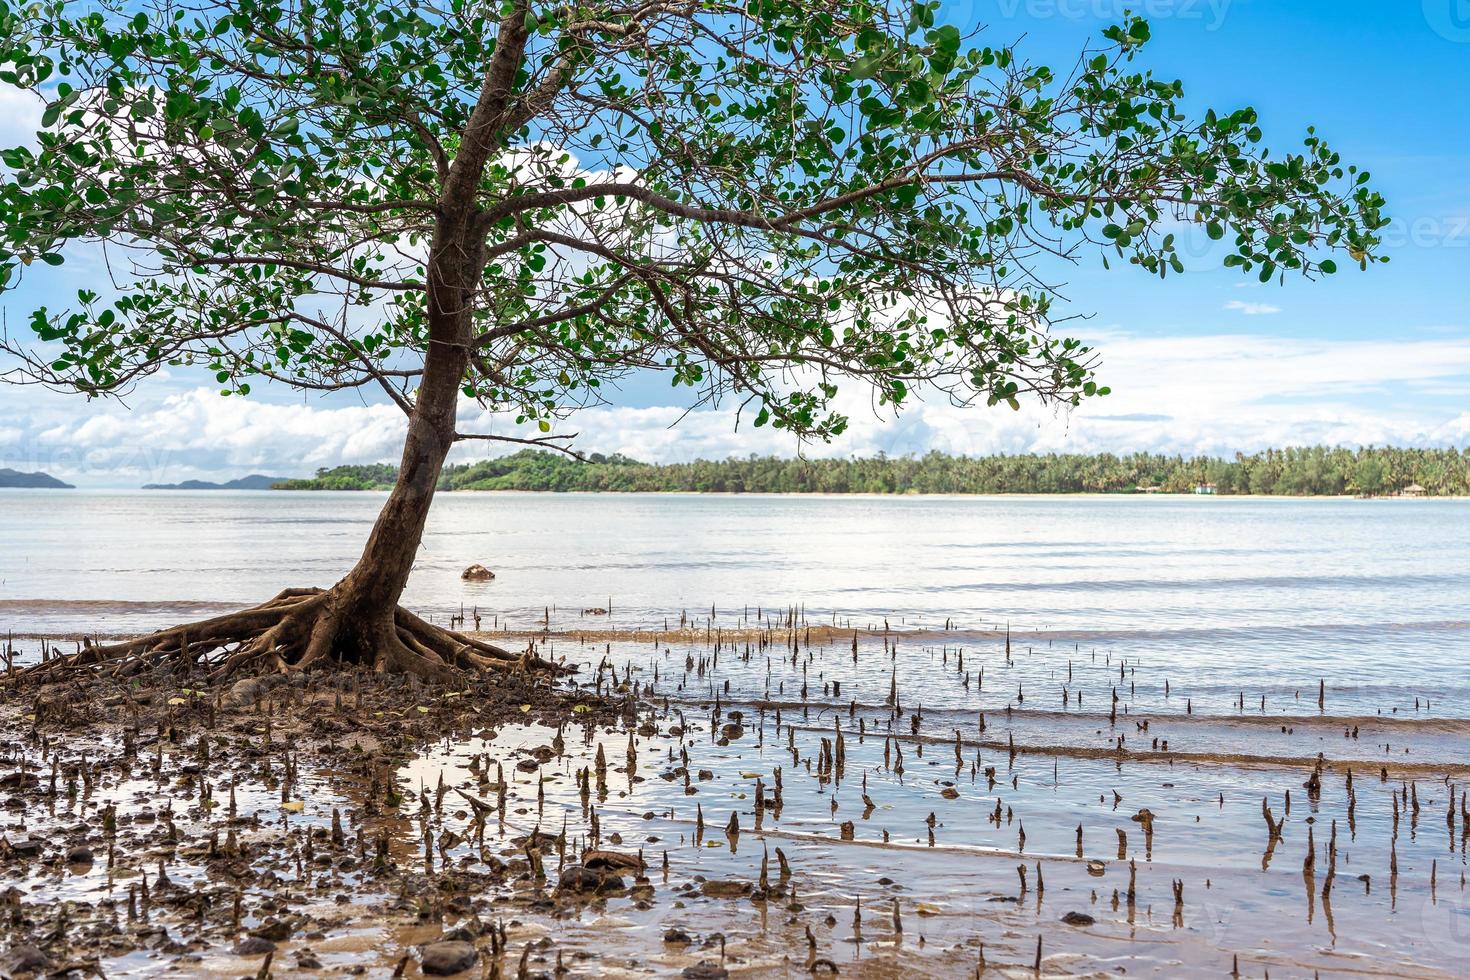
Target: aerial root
(297, 630)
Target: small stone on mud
(1078, 919)
(600, 860)
(467, 931)
(443, 958)
(705, 970)
(576, 878)
(23, 959)
(253, 946)
(80, 855)
(25, 847)
(725, 889)
(677, 936)
(275, 930)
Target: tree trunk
(366, 599)
(358, 620)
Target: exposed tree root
(300, 629)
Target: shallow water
(1262, 594)
(1018, 793)
(1099, 656)
(955, 810)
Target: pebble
(443, 958)
(253, 946)
(725, 889)
(23, 959)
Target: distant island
(252, 482)
(31, 481)
(1310, 471)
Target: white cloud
(1213, 394)
(1252, 309)
(20, 116)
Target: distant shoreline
(1308, 472)
(863, 495)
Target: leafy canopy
(762, 200)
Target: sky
(1208, 362)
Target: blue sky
(1206, 362)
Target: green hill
(1311, 471)
(31, 481)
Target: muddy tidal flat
(740, 792)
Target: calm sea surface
(1268, 595)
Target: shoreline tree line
(1306, 471)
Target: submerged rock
(477, 573)
(725, 889)
(576, 878)
(1078, 919)
(444, 958)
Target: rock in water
(1078, 919)
(275, 930)
(575, 878)
(26, 847)
(705, 970)
(253, 946)
(600, 860)
(725, 889)
(444, 958)
(477, 573)
(23, 959)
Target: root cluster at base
(300, 629)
